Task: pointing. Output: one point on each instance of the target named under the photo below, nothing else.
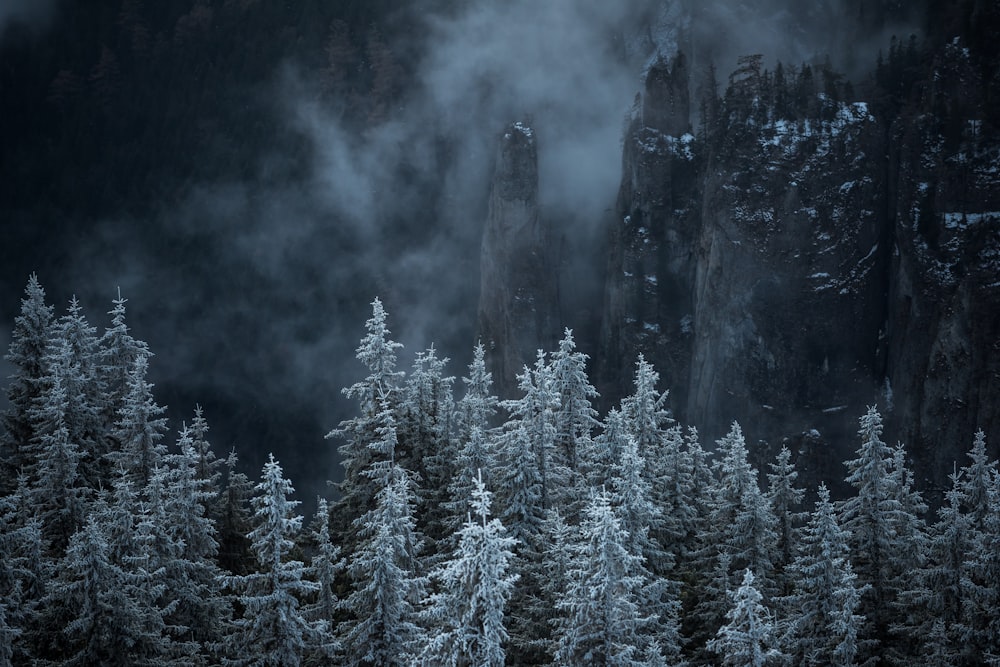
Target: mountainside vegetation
(465, 532)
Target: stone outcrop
(518, 290)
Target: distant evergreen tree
(97, 612)
(273, 631)
(195, 579)
(234, 523)
(601, 622)
(465, 618)
(426, 438)
(73, 356)
(387, 587)
(785, 498)
(977, 480)
(324, 570)
(377, 395)
(747, 640)
(118, 353)
(29, 343)
(139, 427)
(983, 583)
(57, 494)
(885, 536)
(575, 418)
(822, 627)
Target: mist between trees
(466, 531)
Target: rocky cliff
(806, 251)
(518, 302)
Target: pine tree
(784, 498)
(601, 622)
(982, 586)
(73, 355)
(747, 639)
(194, 576)
(234, 523)
(885, 536)
(324, 570)
(139, 428)
(466, 615)
(57, 495)
(977, 480)
(98, 613)
(118, 354)
(382, 629)
(377, 395)
(28, 346)
(822, 626)
(426, 438)
(575, 417)
(273, 631)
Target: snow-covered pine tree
(885, 539)
(983, 583)
(56, 493)
(465, 617)
(747, 640)
(376, 395)
(820, 625)
(937, 597)
(273, 631)
(977, 479)
(743, 514)
(575, 418)
(382, 628)
(325, 568)
(601, 621)
(426, 445)
(97, 612)
(785, 499)
(194, 575)
(234, 520)
(118, 353)
(28, 346)
(73, 354)
(139, 427)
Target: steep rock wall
(518, 294)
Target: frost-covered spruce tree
(273, 631)
(324, 569)
(937, 594)
(382, 628)
(743, 515)
(233, 520)
(747, 639)
(821, 626)
(195, 576)
(785, 499)
(525, 446)
(73, 355)
(465, 617)
(97, 612)
(425, 433)
(575, 417)
(28, 345)
(983, 584)
(475, 437)
(885, 537)
(977, 479)
(139, 427)
(376, 394)
(118, 353)
(601, 622)
(57, 493)
(23, 571)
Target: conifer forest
(471, 333)
(467, 530)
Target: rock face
(518, 301)
(806, 255)
(801, 259)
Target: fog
(254, 295)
